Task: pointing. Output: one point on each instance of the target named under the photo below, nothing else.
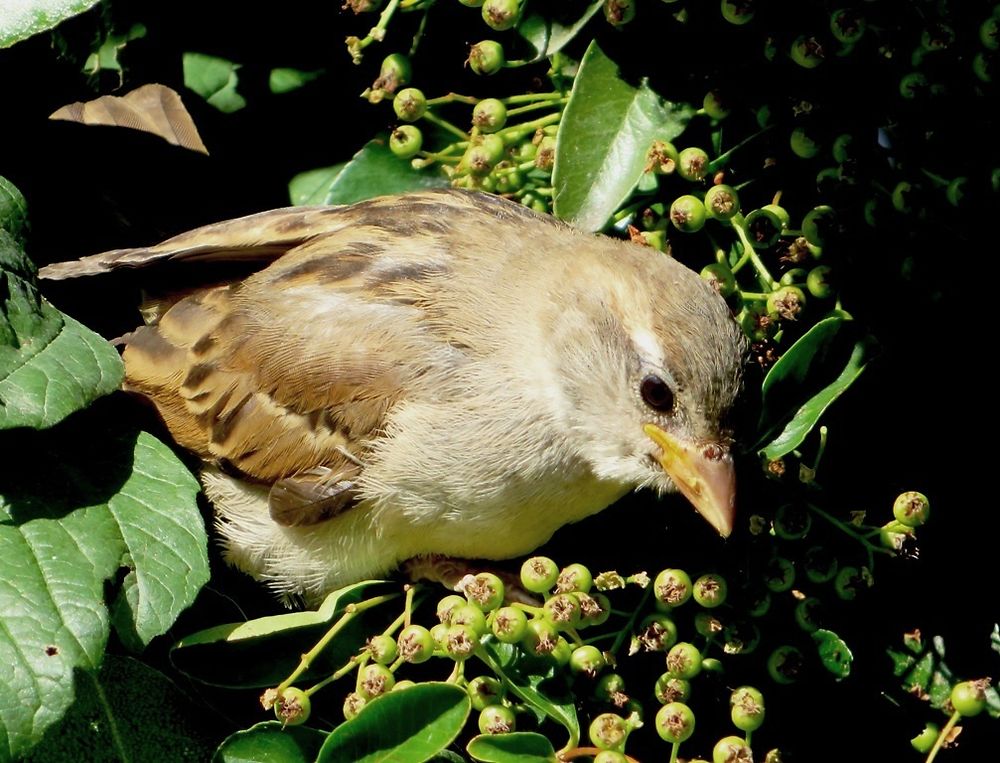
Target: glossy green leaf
(550, 33)
(21, 19)
(604, 138)
(833, 652)
(214, 79)
(13, 210)
(270, 742)
(262, 652)
(373, 171)
(311, 186)
(81, 505)
(412, 724)
(919, 676)
(285, 80)
(50, 365)
(105, 56)
(807, 379)
(128, 712)
(523, 678)
(519, 747)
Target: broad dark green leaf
(551, 32)
(833, 652)
(805, 381)
(519, 747)
(270, 742)
(262, 652)
(373, 171)
(13, 210)
(286, 80)
(522, 678)
(901, 661)
(20, 20)
(128, 712)
(214, 79)
(919, 677)
(311, 186)
(50, 365)
(406, 726)
(82, 504)
(604, 138)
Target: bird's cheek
(703, 473)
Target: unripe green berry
(292, 706)
(807, 52)
(485, 591)
(687, 214)
(619, 12)
(787, 302)
(955, 192)
(710, 590)
(587, 660)
(353, 703)
(692, 163)
(731, 749)
(807, 614)
(483, 691)
(496, 719)
(461, 641)
(673, 587)
(406, 683)
(489, 115)
(610, 756)
(539, 574)
(924, 741)
(684, 660)
(821, 565)
(785, 664)
(545, 157)
(608, 731)
(989, 33)
(509, 624)
(563, 610)
(405, 141)
(902, 194)
(541, 637)
(657, 633)
(843, 148)
(793, 276)
(501, 14)
(439, 635)
(847, 25)
(447, 605)
(707, 624)
(911, 508)
(416, 644)
(486, 57)
(847, 583)
(984, 65)
(747, 708)
(395, 72)
(482, 156)
(574, 577)
(819, 282)
(803, 144)
(969, 697)
(470, 616)
(611, 688)
(792, 522)
(738, 12)
(669, 688)
(675, 722)
(374, 680)
(937, 36)
(714, 105)
(662, 157)
(595, 609)
(722, 202)
(409, 104)
(382, 648)
(819, 224)
(763, 228)
(721, 278)
(740, 637)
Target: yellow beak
(704, 475)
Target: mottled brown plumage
(436, 373)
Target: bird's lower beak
(704, 475)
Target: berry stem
(823, 431)
(720, 161)
(441, 100)
(444, 124)
(536, 106)
(375, 34)
(674, 750)
(629, 626)
(513, 133)
(943, 736)
(749, 253)
(869, 546)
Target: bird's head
(653, 387)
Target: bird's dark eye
(656, 394)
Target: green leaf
(50, 365)
(522, 678)
(270, 742)
(127, 712)
(20, 20)
(262, 652)
(214, 79)
(373, 171)
(286, 80)
(604, 138)
(311, 186)
(519, 747)
(105, 57)
(833, 652)
(412, 724)
(919, 678)
(550, 33)
(78, 504)
(805, 381)
(13, 210)
(901, 661)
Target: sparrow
(440, 374)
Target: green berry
(657, 633)
(803, 144)
(706, 624)
(662, 158)
(416, 644)
(722, 202)
(486, 57)
(913, 85)
(738, 12)
(819, 282)
(792, 522)
(785, 664)
(374, 680)
(843, 148)
(911, 508)
(574, 578)
(787, 302)
(760, 603)
(619, 12)
(541, 637)
(439, 635)
(764, 116)
(292, 706)
(496, 719)
(763, 228)
(501, 14)
(485, 591)
(460, 642)
(819, 225)
(353, 704)
(721, 278)
(563, 610)
(595, 609)
(610, 756)
(692, 163)
(747, 708)
(793, 276)
(539, 574)
(471, 616)
(984, 65)
(687, 214)
(902, 195)
(611, 688)
(545, 158)
(807, 52)
(406, 683)
(394, 72)
(741, 637)
(732, 749)
(989, 33)
(684, 660)
(409, 104)
(489, 115)
(405, 141)
(382, 648)
(669, 688)
(673, 587)
(924, 741)
(714, 105)
(608, 731)
(675, 722)
(710, 590)
(937, 36)
(807, 614)
(480, 158)
(821, 565)
(509, 624)
(847, 25)
(969, 697)
(848, 582)
(483, 691)
(587, 660)
(955, 192)
(447, 605)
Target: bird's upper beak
(704, 474)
